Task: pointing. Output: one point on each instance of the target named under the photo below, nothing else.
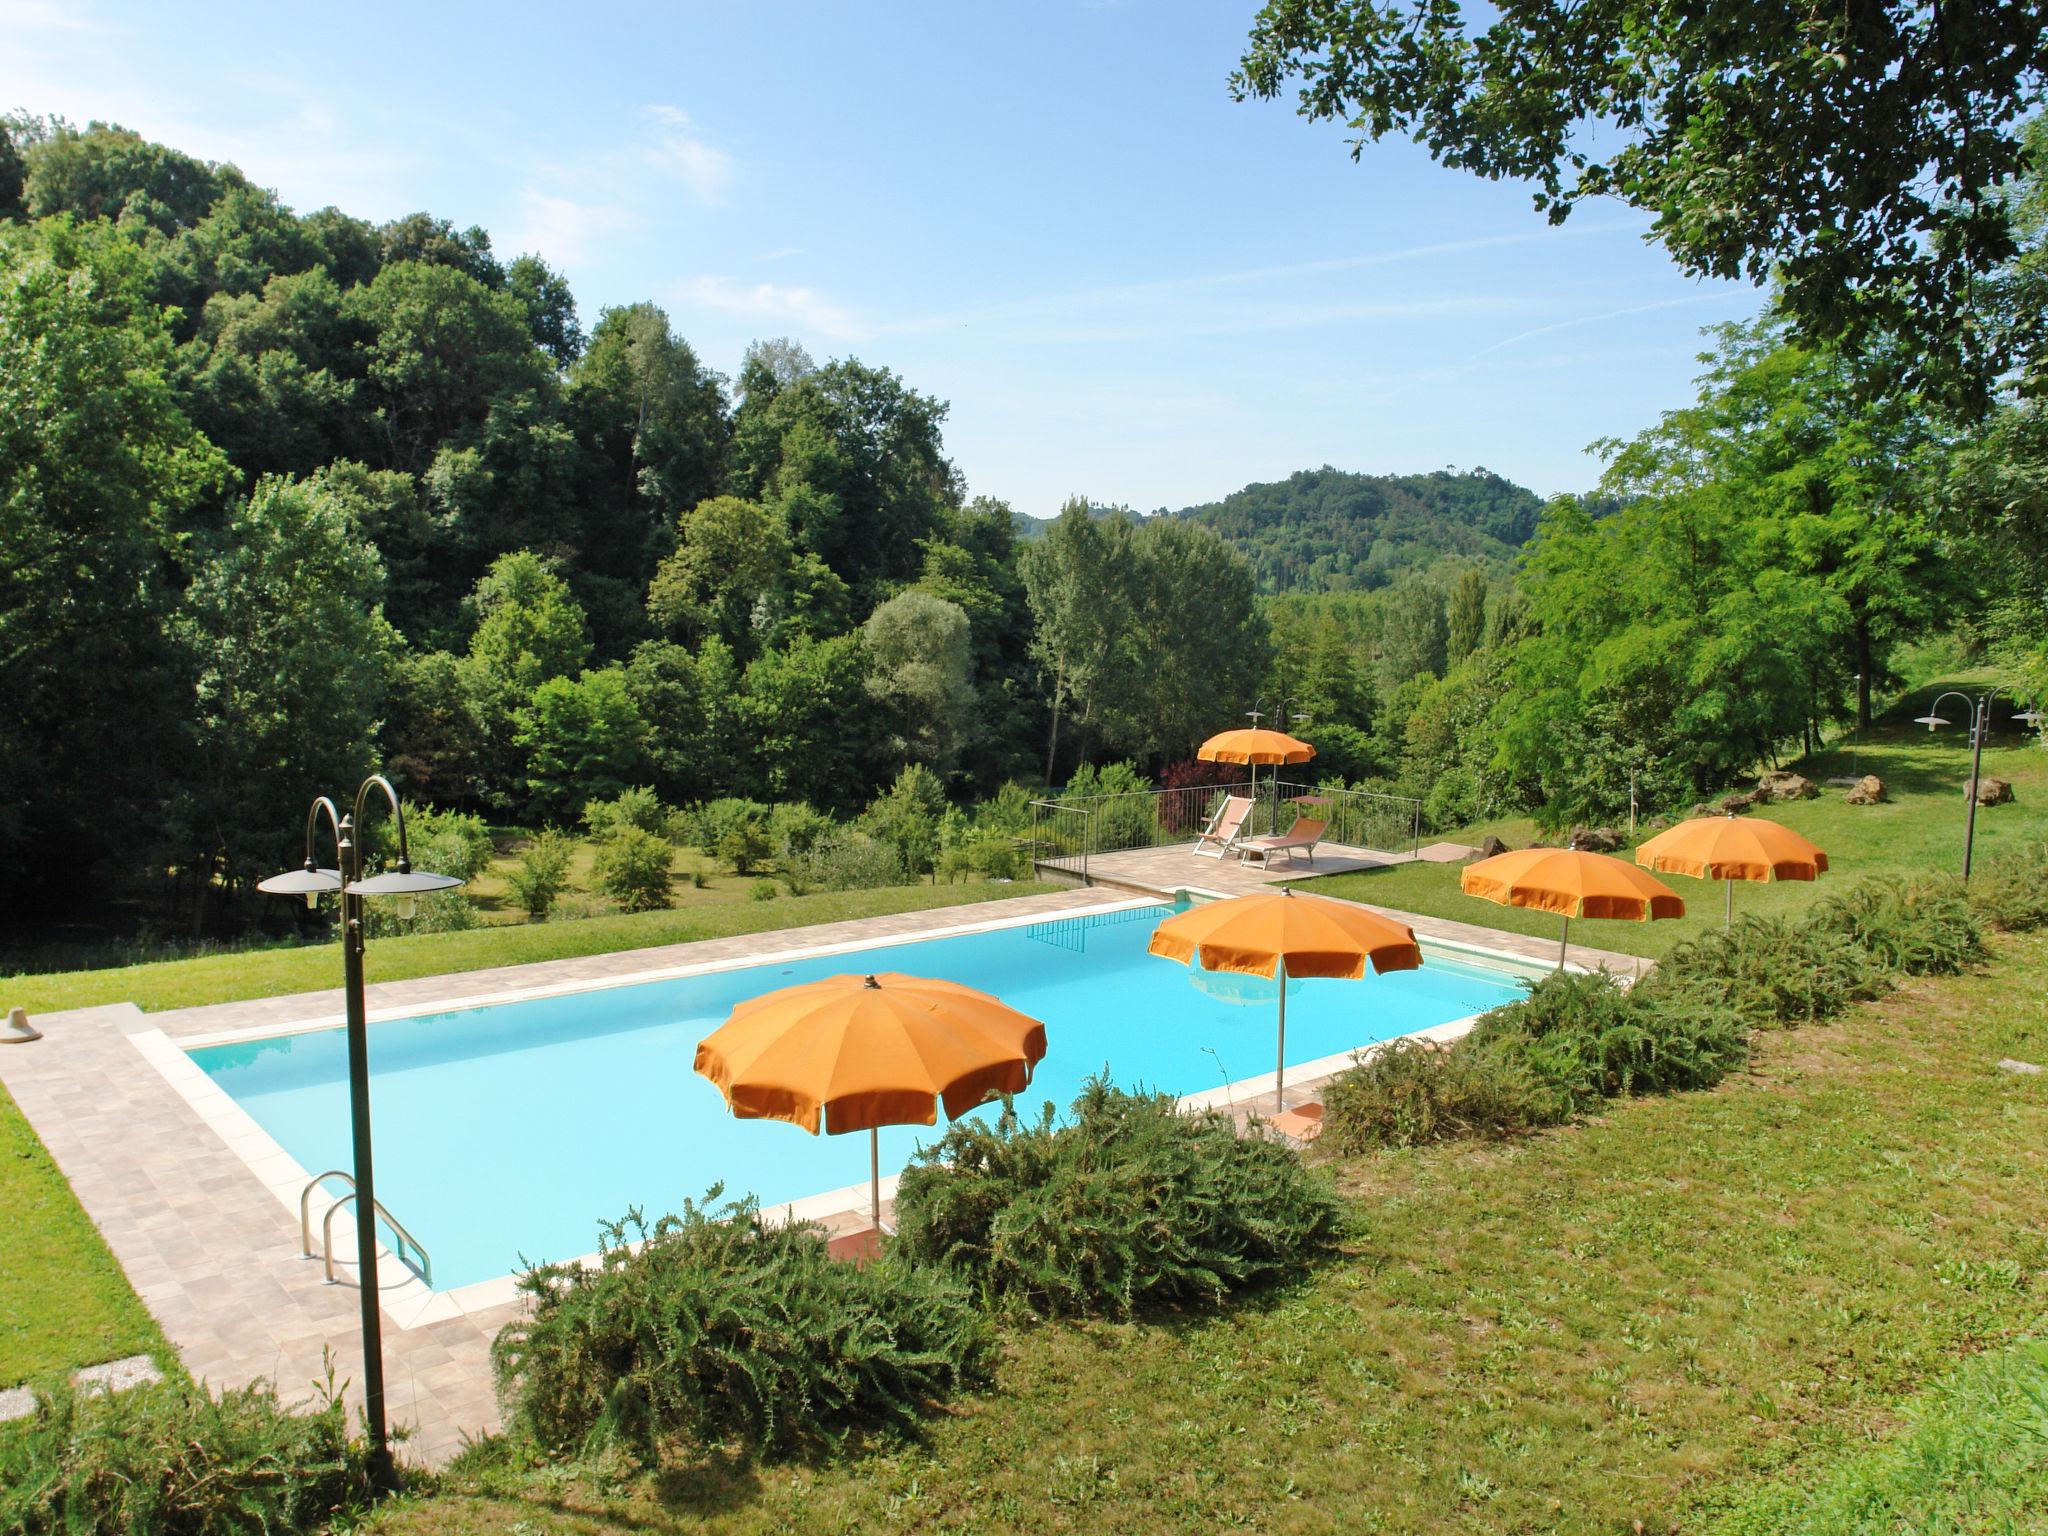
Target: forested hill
(1329, 530)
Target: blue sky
(1050, 214)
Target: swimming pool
(506, 1132)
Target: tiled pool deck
(200, 1208)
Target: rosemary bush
(167, 1459)
(2010, 892)
(1769, 972)
(715, 1328)
(1133, 1205)
(1918, 928)
(1410, 1093)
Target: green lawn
(1919, 830)
(275, 972)
(1617, 1322)
(64, 1301)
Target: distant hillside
(1328, 530)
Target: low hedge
(714, 1328)
(1132, 1205)
(1577, 1039)
(168, 1459)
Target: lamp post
(1284, 723)
(407, 884)
(1980, 722)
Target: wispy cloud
(803, 309)
(563, 229)
(679, 149)
(1604, 315)
(47, 16)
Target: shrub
(460, 843)
(542, 873)
(762, 890)
(1582, 1038)
(640, 808)
(1124, 813)
(574, 906)
(847, 860)
(168, 1459)
(1922, 927)
(632, 867)
(1131, 1206)
(1410, 1093)
(907, 816)
(714, 1327)
(1769, 972)
(794, 828)
(2010, 892)
(711, 821)
(745, 846)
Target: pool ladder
(408, 1247)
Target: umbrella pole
(1564, 938)
(1280, 1062)
(1728, 917)
(875, 1172)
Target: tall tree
(99, 470)
(1857, 154)
(1467, 616)
(1077, 580)
(919, 650)
(292, 658)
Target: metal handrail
(424, 1268)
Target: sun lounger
(1300, 838)
(1221, 835)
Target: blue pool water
(508, 1131)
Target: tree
(292, 655)
(918, 646)
(583, 739)
(529, 629)
(550, 308)
(1416, 640)
(1077, 579)
(907, 818)
(13, 176)
(99, 472)
(1467, 616)
(805, 714)
(729, 555)
(1857, 155)
(1195, 644)
(436, 740)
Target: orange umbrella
(1285, 934)
(1731, 848)
(1573, 882)
(862, 1052)
(1253, 746)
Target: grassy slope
(1920, 830)
(274, 972)
(63, 1299)
(1574, 1331)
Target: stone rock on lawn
(1786, 786)
(1991, 791)
(1869, 790)
(1492, 846)
(1596, 839)
(1736, 804)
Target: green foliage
(1915, 927)
(169, 1459)
(715, 1328)
(848, 859)
(716, 822)
(633, 867)
(583, 740)
(762, 890)
(794, 828)
(1328, 530)
(922, 677)
(529, 627)
(907, 818)
(2010, 892)
(459, 841)
(729, 555)
(1876, 197)
(745, 845)
(639, 807)
(1410, 1093)
(542, 873)
(1132, 1206)
(1123, 811)
(1769, 972)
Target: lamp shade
(402, 882)
(302, 882)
